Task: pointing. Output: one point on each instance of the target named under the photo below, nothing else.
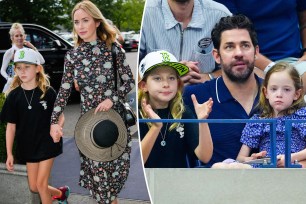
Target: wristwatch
(211, 76)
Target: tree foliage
(126, 14)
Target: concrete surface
(227, 186)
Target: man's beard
(239, 77)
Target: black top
(179, 142)
(34, 142)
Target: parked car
(52, 47)
(131, 40)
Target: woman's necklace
(29, 104)
(163, 142)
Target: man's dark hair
(238, 21)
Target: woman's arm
(10, 136)
(5, 62)
(125, 75)
(64, 91)
(61, 120)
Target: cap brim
(25, 62)
(180, 68)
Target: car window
(39, 39)
(5, 40)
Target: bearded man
(236, 92)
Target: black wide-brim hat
(101, 136)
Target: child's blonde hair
(266, 109)
(42, 80)
(176, 104)
(105, 32)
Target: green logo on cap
(165, 56)
(21, 54)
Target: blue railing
(272, 123)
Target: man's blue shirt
(225, 136)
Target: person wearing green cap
(160, 96)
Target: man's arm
(302, 21)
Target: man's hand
(193, 76)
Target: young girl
(18, 37)
(160, 96)
(27, 111)
(281, 98)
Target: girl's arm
(244, 153)
(148, 141)
(204, 149)
(299, 156)
(10, 136)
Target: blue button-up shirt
(160, 30)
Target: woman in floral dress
(90, 64)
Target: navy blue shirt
(225, 136)
(180, 142)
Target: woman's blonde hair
(105, 32)
(176, 104)
(42, 80)
(14, 27)
(266, 109)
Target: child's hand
(202, 110)
(56, 132)
(149, 111)
(258, 155)
(10, 163)
(281, 161)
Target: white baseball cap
(161, 58)
(26, 55)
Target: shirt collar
(171, 22)
(223, 94)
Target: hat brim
(83, 139)
(26, 62)
(180, 68)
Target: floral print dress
(91, 65)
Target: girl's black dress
(33, 139)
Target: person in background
(91, 64)
(281, 97)
(27, 111)
(183, 28)
(119, 37)
(281, 30)
(236, 92)
(160, 95)
(18, 37)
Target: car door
(53, 49)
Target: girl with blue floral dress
(90, 64)
(281, 98)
